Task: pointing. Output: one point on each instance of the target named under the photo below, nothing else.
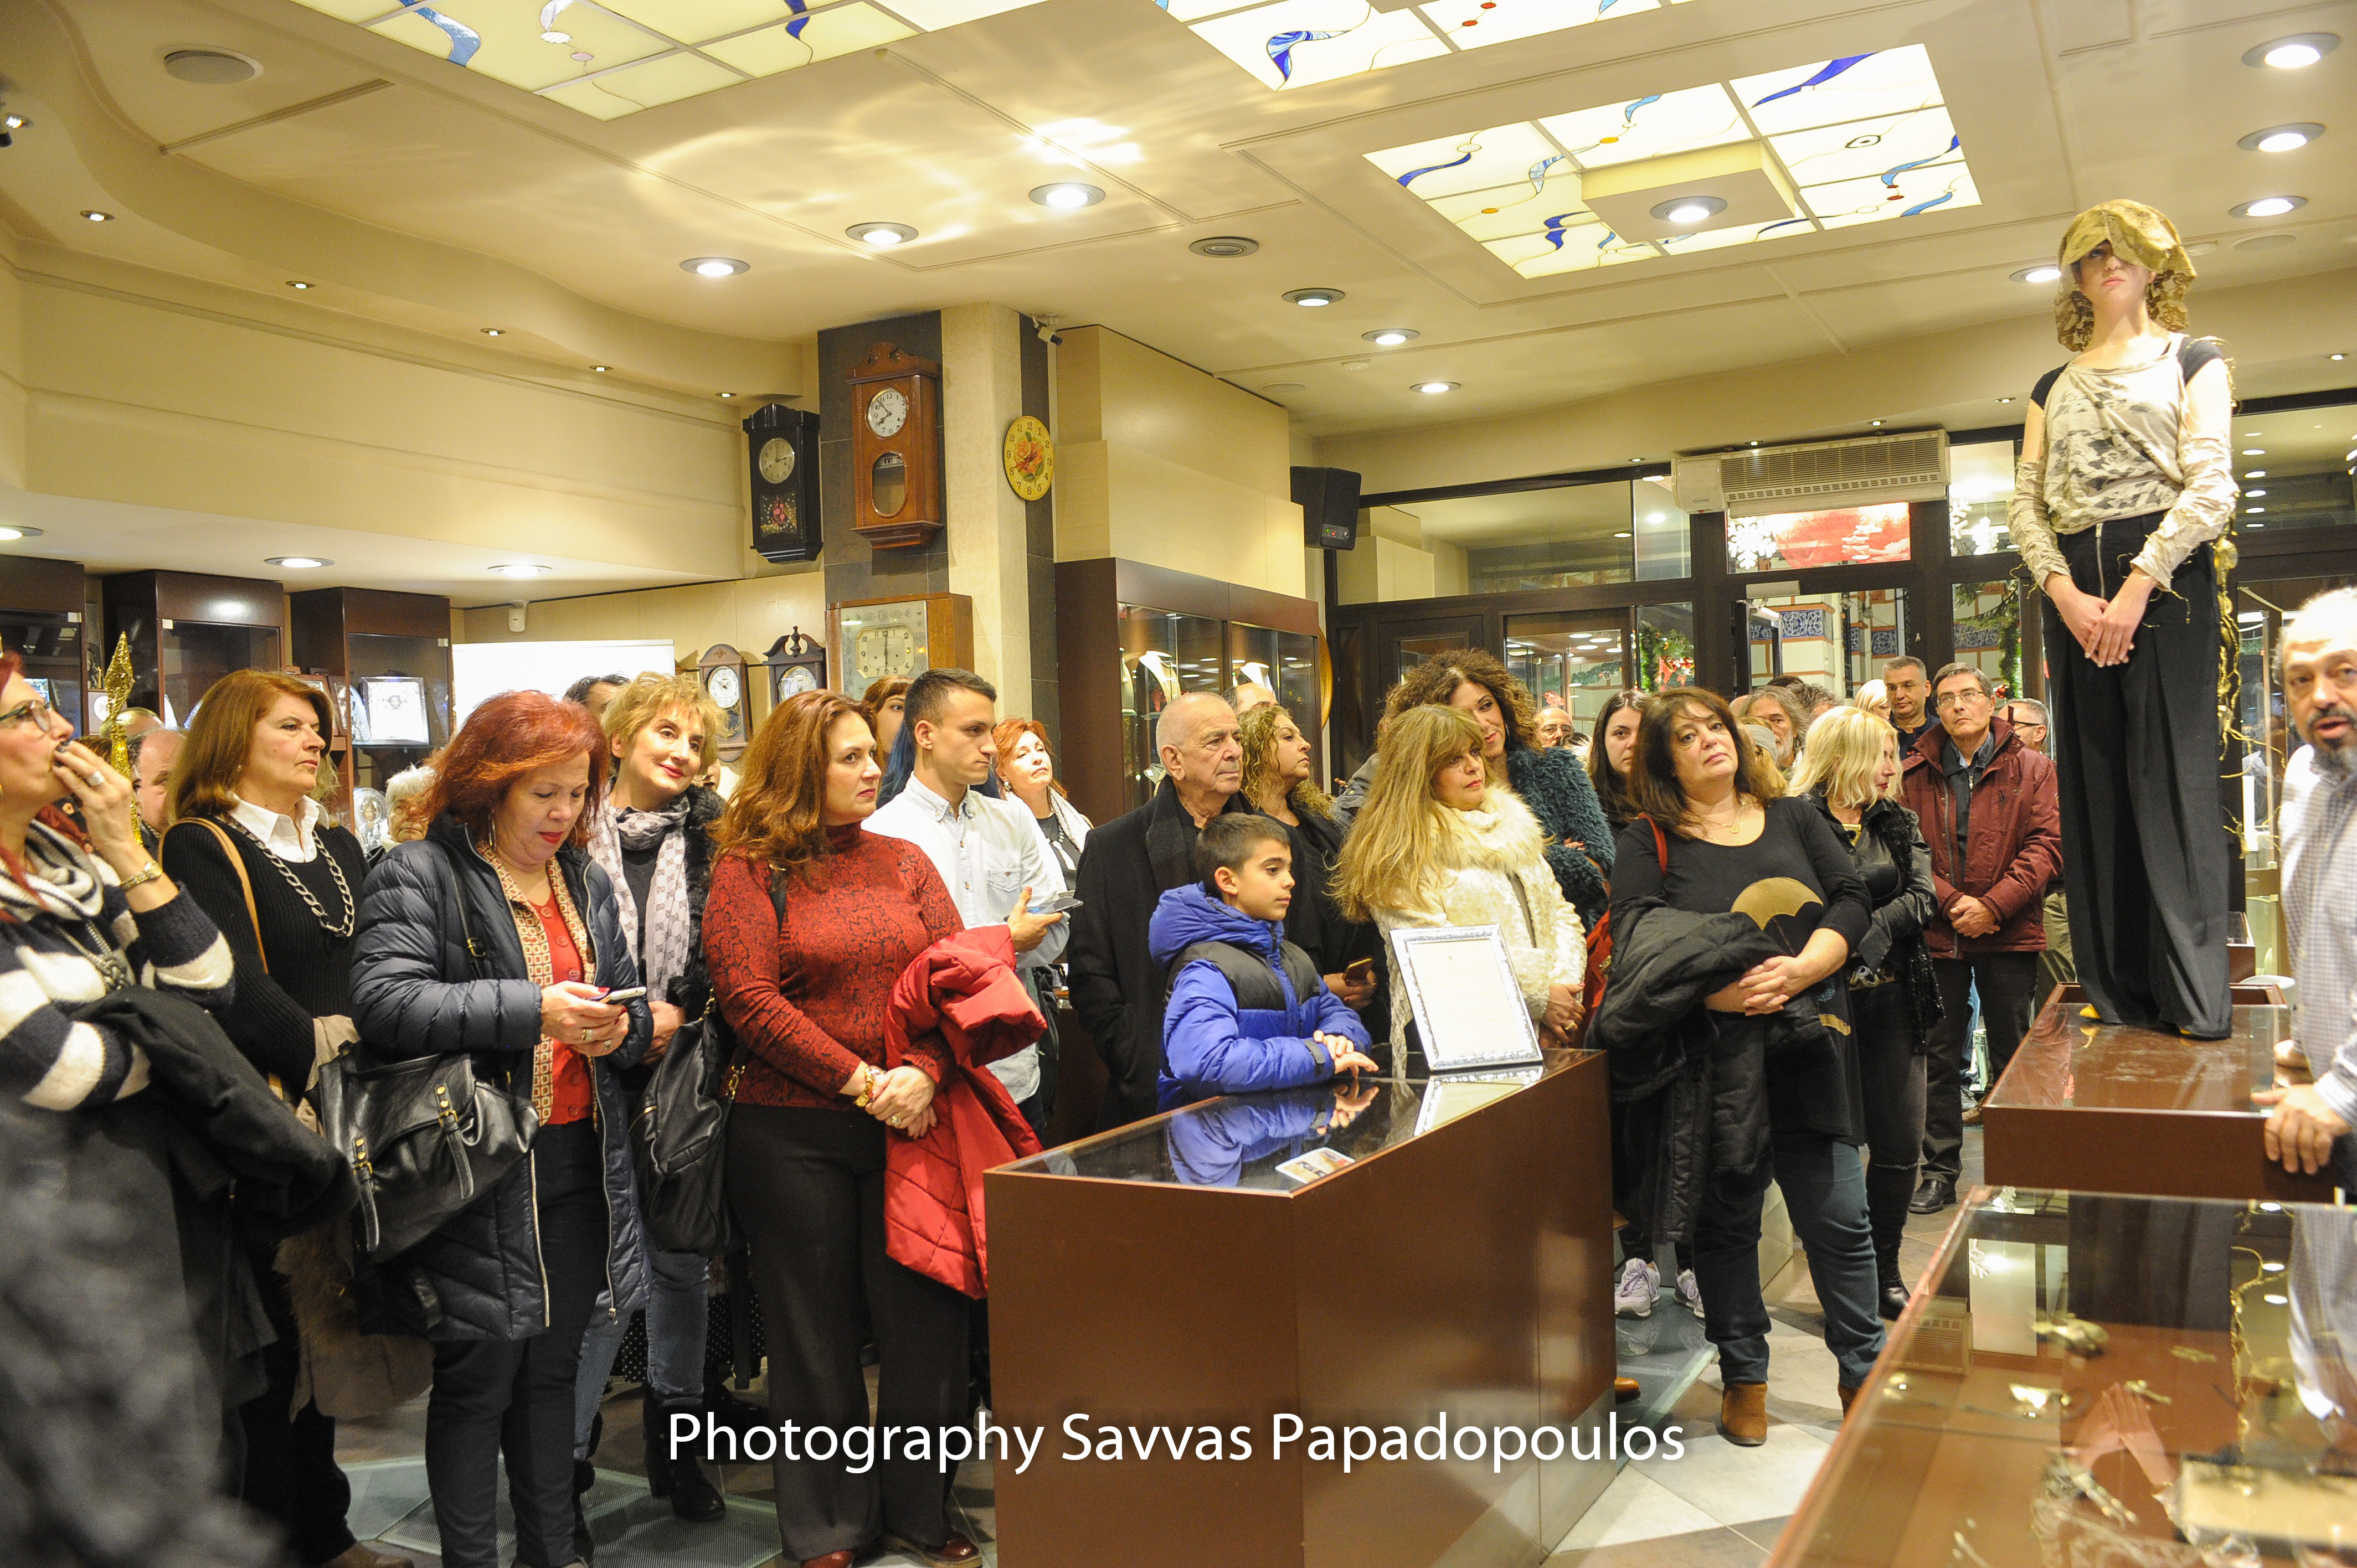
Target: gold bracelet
(149, 873)
(866, 1086)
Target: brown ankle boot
(1743, 1415)
(1849, 1398)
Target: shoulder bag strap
(476, 952)
(245, 886)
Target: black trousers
(2144, 852)
(1890, 1076)
(291, 1478)
(807, 1186)
(514, 1398)
(2007, 983)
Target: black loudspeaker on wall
(1329, 499)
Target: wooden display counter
(2090, 1379)
(2098, 1108)
(1172, 1274)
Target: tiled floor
(1716, 1505)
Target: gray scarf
(669, 917)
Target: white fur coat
(1490, 853)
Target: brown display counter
(1172, 1274)
(2096, 1108)
(2088, 1378)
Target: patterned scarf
(540, 967)
(669, 916)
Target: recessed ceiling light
(2005, 400)
(1224, 247)
(2254, 493)
(296, 283)
(297, 562)
(14, 121)
(1689, 209)
(1068, 194)
(1436, 387)
(1876, 423)
(2292, 53)
(2280, 138)
(17, 530)
(2255, 451)
(2267, 206)
(2255, 473)
(96, 216)
(2336, 356)
(520, 569)
(724, 395)
(714, 266)
(601, 369)
(2266, 241)
(2255, 510)
(1389, 336)
(495, 331)
(1312, 297)
(2042, 272)
(881, 234)
(1618, 536)
(211, 67)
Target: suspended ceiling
(948, 130)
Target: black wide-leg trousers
(2145, 857)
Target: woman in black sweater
(247, 843)
(1782, 1071)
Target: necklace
(1715, 827)
(338, 927)
(113, 967)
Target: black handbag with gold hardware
(425, 1136)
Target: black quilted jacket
(414, 995)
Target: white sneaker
(1640, 1287)
(1689, 1293)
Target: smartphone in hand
(616, 998)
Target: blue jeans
(1825, 1190)
(677, 1320)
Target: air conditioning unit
(1816, 476)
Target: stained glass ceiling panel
(611, 58)
(1297, 43)
(1857, 139)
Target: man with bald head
(1128, 864)
(152, 755)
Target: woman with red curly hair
(811, 922)
(506, 1287)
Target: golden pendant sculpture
(117, 686)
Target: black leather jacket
(415, 994)
(1896, 864)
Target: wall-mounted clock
(884, 639)
(1031, 458)
(796, 664)
(781, 448)
(895, 448)
(723, 671)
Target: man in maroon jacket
(1990, 814)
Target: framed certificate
(1470, 1012)
(1445, 1099)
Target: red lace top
(809, 999)
(570, 1092)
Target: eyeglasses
(1952, 699)
(36, 711)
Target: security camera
(1046, 326)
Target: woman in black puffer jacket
(1850, 768)
(507, 1287)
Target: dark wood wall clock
(781, 448)
(797, 663)
(722, 669)
(895, 448)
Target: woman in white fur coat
(1438, 844)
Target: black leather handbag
(425, 1136)
(679, 1131)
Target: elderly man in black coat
(1128, 864)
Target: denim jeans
(676, 1321)
(1825, 1190)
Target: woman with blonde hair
(1554, 783)
(1438, 844)
(1873, 697)
(251, 845)
(1850, 770)
(1733, 906)
(1277, 783)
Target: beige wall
(1159, 463)
(1394, 561)
(748, 615)
(982, 394)
(2275, 332)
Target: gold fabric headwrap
(2136, 233)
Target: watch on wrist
(147, 873)
(868, 1085)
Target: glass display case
(41, 610)
(386, 659)
(1284, 661)
(187, 630)
(2094, 1379)
(1164, 653)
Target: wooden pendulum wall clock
(895, 448)
(782, 445)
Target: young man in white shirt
(988, 851)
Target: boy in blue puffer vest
(1247, 1009)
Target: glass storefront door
(1571, 660)
(1835, 638)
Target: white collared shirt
(291, 838)
(985, 853)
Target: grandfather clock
(895, 448)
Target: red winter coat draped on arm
(963, 997)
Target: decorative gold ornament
(117, 686)
(1030, 457)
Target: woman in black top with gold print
(249, 844)
(1782, 1071)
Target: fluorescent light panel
(1863, 139)
(1297, 43)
